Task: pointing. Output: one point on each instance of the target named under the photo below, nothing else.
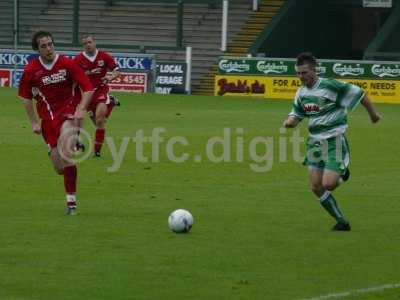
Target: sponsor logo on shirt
(55, 78)
(311, 107)
(95, 71)
(100, 63)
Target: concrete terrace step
(6, 22)
(118, 14)
(137, 42)
(65, 17)
(206, 88)
(206, 84)
(155, 30)
(253, 27)
(269, 10)
(7, 11)
(273, 2)
(246, 38)
(134, 8)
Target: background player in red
(49, 80)
(101, 69)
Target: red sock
(70, 174)
(100, 132)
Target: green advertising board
(325, 68)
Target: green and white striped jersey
(326, 105)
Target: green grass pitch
(256, 235)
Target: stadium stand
(386, 44)
(341, 29)
(240, 44)
(149, 26)
(278, 29)
(6, 22)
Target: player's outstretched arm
(291, 122)
(372, 112)
(30, 111)
(111, 76)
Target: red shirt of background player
(97, 65)
(96, 68)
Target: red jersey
(97, 66)
(52, 85)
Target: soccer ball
(180, 221)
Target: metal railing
(76, 10)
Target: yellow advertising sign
(380, 91)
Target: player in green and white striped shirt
(326, 103)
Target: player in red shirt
(50, 80)
(101, 69)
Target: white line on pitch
(356, 292)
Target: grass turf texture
(256, 235)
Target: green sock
(329, 203)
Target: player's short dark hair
(306, 58)
(37, 36)
(87, 35)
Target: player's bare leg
(100, 120)
(315, 177)
(57, 161)
(331, 180)
(62, 158)
(322, 182)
